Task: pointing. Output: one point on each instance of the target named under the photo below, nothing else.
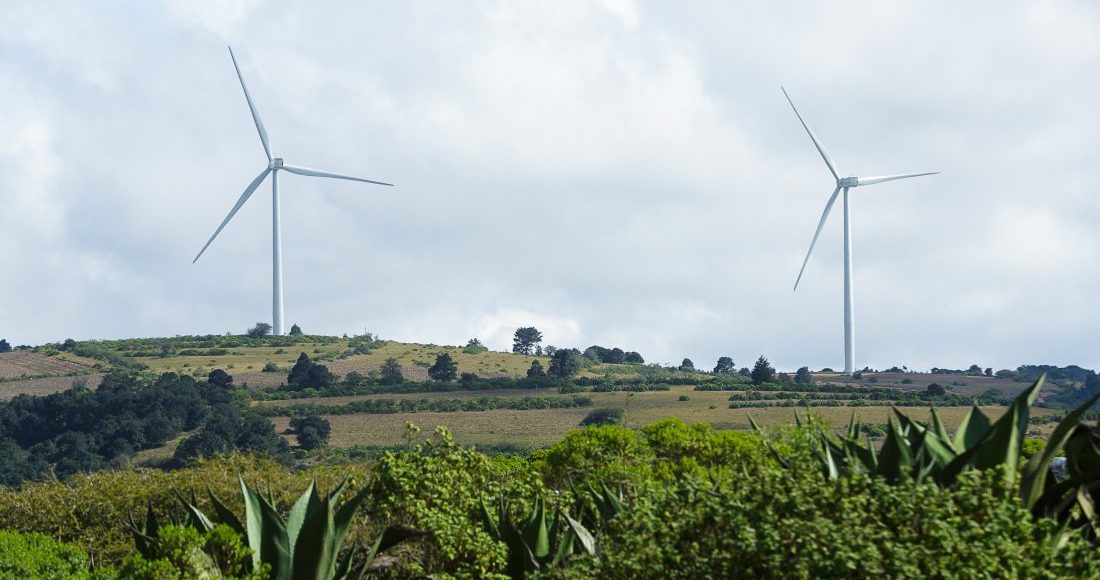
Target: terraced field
(535, 428)
(30, 373)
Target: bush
(611, 416)
(783, 524)
(39, 556)
(312, 431)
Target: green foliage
(474, 346)
(536, 542)
(564, 364)
(35, 555)
(4, 345)
(176, 551)
(295, 330)
(304, 545)
(526, 339)
(444, 369)
(536, 370)
(776, 523)
(687, 366)
(307, 373)
(762, 371)
(912, 451)
(390, 373)
(259, 330)
(803, 377)
(607, 416)
(724, 366)
(312, 431)
(438, 487)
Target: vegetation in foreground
(667, 500)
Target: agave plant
(305, 545)
(911, 450)
(538, 542)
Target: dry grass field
(48, 374)
(28, 364)
(246, 363)
(535, 428)
(45, 386)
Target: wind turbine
(845, 184)
(274, 165)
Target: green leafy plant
(304, 545)
(912, 451)
(537, 542)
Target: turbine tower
(845, 184)
(274, 165)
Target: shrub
(608, 416)
(777, 523)
(312, 431)
(35, 555)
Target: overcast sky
(619, 173)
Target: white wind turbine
(842, 183)
(274, 164)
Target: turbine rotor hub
(276, 163)
(847, 182)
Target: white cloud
(621, 173)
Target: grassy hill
(503, 417)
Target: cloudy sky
(622, 173)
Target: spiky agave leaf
(895, 457)
(941, 430)
(535, 533)
(971, 430)
(1004, 443)
(266, 534)
(1036, 473)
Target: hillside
(505, 412)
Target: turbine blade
(252, 107)
(244, 197)
(881, 178)
(318, 173)
(820, 225)
(820, 148)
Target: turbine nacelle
(276, 163)
(847, 182)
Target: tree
(4, 346)
(549, 350)
(444, 368)
(725, 366)
(633, 358)
(783, 378)
(935, 390)
(295, 330)
(535, 370)
(525, 340)
(989, 371)
(803, 377)
(762, 371)
(261, 330)
(307, 373)
(220, 378)
(974, 370)
(391, 372)
(312, 431)
(687, 365)
(564, 364)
